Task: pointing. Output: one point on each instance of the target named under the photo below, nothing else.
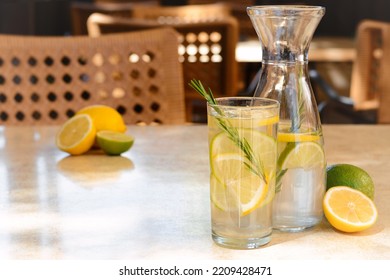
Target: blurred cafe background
(346, 59)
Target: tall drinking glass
(243, 155)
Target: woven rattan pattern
(207, 50)
(45, 80)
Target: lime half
(114, 143)
(303, 155)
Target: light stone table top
(153, 201)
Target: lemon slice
(262, 145)
(77, 135)
(302, 155)
(251, 192)
(229, 166)
(114, 143)
(254, 122)
(349, 210)
(271, 190)
(297, 137)
(237, 183)
(218, 193)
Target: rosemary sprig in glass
(255, 165)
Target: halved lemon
(349, 210)
(76, 135)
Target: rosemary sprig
(255, 164)
(298, 106)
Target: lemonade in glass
(243, 158)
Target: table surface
(153, 201)
(322, 49)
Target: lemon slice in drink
(241, 186)
(76, 135)
(262, 145)
(255, 122)
(218, 193)
(271, 190)
(297, 137)
(302, 155)
(229, 165)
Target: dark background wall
(35, 17)
(342, 16)
(52, 17)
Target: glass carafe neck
(285, 31)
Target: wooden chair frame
(45, 80)
(80, 11)
(221, 77)
(369, 80)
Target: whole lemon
(350, 176)
(104, 118)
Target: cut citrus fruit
(297, 137)
(77, 135)
(241, 185)
(302, 155)
(104, 118)
(254, 122)
(271, 191)
(218, 193)
(349, 210)
(262, 145)
(114, 143)
(229, 165)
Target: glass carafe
(285, 33)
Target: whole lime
(350, 176)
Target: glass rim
(285, 10)
(271, 103)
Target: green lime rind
(351, 176)
(114, 143)
(302, 155)
(289, 147)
